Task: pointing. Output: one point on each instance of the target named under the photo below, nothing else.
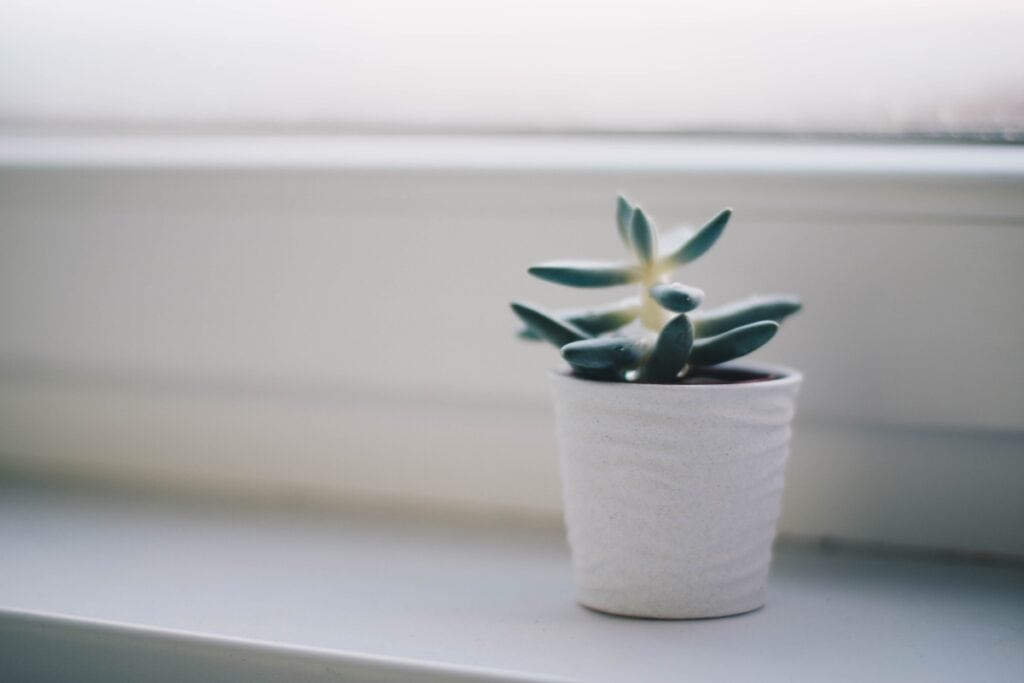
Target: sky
(646, 65)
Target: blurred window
(944, 68)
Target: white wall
(343, 326)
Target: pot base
(628, 614)
(680, 596)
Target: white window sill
(511, 153)
(119, 586)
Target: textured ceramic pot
(672, 492)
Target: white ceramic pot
(672, 492)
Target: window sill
(592, 153)
(117, 586)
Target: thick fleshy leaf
(596, 320)
(623, 216)
(586, 273)
(643, 237)
(732, 344)
(695, 247)
(744, 312)
(671, 351)
(677, 297)
(546, 326)
(608, 353)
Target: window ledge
(511, 153)
(118, 586)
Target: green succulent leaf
(596, 320)
(608, 353)
(732, 344)
(695, 247)
(586, 273)
(671, 351)
(546, 326)
(624, 216)
(677, 297)
(744, 312)
(689, 340)
(643, 237)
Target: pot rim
(787, 376)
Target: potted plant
(672, 463)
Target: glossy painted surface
(239, 586)
(54, 647)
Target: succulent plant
(675, 340)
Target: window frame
(860, 479)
